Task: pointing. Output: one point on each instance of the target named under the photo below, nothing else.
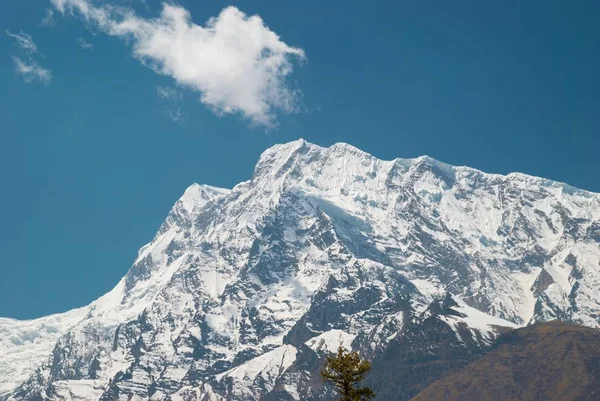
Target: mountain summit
(242, 292)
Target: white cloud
(24, 41)
(176, 115)
(235, 62)
(167, 93)
(83, 44)
(29, 69)
(32, 71)
(48, 19)
(173, 105)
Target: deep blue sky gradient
(90, 164)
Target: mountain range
(417, 264)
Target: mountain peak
(283, 157)
(322, 244)
(196, 195)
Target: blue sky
(104, 124)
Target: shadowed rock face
(427, 348)
(551, 361)
(242, 292)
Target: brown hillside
(551, 361)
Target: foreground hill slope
(551, 361)
(242, 292)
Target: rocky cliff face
(242, 291)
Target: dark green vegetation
(552, 361)
(345, 371)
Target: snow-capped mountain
(243, 291)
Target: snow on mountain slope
(329, 341)
(241, 290)
(472, 319)
(25, 344)
(260, 373)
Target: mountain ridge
(318, 241)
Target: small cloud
(48, 19)
(31, 71)
(167, 93)
(172, 101)
(24, 41)
(75, 125)
(83, 44)
(234, 61)
(177, 115)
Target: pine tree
(345, 371)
